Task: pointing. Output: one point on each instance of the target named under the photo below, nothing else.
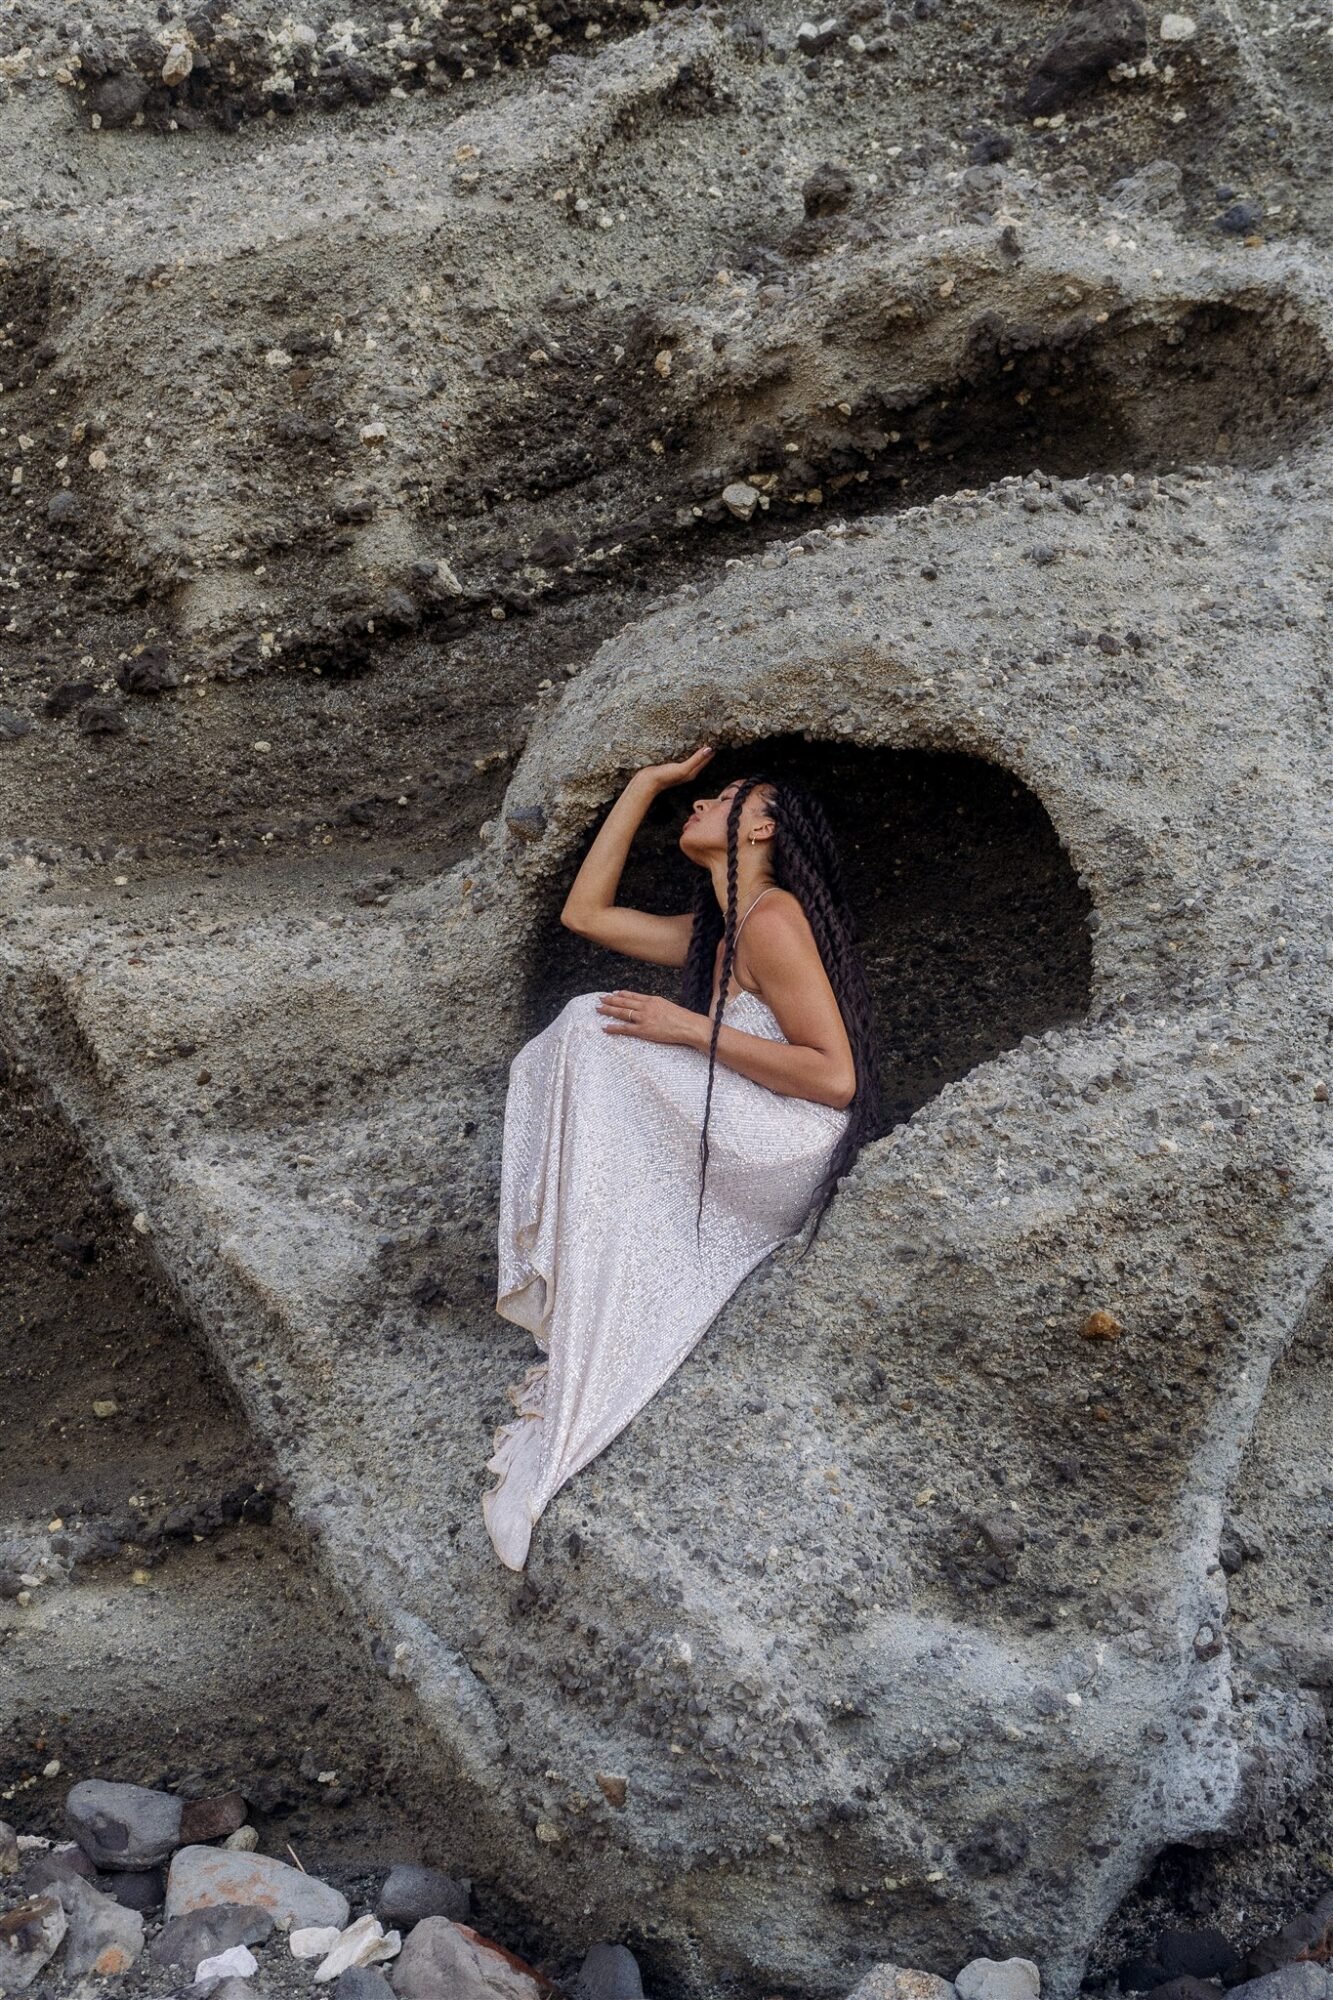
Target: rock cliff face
(413, 426)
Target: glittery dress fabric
(597, 1250)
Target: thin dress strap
(745, 919)
(739, 928)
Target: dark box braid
(805, 861)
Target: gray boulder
(104, 1937)
(608, 1972)
(412, 1892)
(123, 1826)
(438, 1962)
(202, 1877)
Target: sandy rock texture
(413, 423)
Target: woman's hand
(652, 1019)
(661, 777)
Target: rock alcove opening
(972, 921)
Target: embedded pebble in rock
(411, 1892)
(30, 1936)
(740, 499)
(201, 1877)
(9, 1849)
(103, 1937)
(123, 1826)
(895, 1982)
(1178, 27)
(205, 1932)
(998, 1979)
(608, 1972)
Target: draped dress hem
(599, 1259)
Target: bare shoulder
(776, 921)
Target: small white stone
(179, 63)
(362, 1943)
(238, 1962)
(1178, 28)
(244, 1841)
(315, 1941)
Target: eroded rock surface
(380, 442)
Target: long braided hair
(805, 861)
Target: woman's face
(704, 834)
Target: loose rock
(206, 1932)
(363, 1943)
(411, 1892)
(211, 1819)
(123, 1826)
(237, 1962)
(201, 1877)
(895, 1982)
(362, 1982)
(999, 1979)
(104, 1937)
(608, 1972)
(443, 1961)
(30, 1936)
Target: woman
(613, 1114)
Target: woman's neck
(752, 876)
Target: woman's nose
(699, 804)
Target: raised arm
(591, 909)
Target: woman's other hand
(652, 1019)
(661, 777)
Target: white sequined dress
(597, 1250)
